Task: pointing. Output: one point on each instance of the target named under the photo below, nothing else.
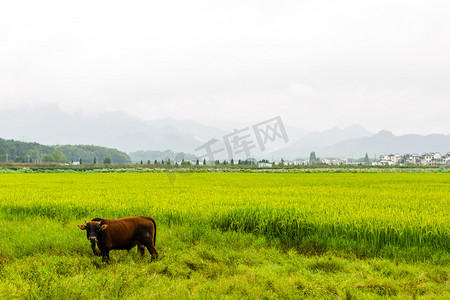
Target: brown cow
(121, 234)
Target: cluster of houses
(426, 159)
(306, 162)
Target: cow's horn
(100, 222)
(85, 221)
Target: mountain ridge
(383, 142)
(50, 126)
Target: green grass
(230, 236)
(403, 216)
(198, 263)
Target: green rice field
(215, 227)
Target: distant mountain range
(50, 126)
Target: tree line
(25, 152)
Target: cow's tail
(154, 234)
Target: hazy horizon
(119, 130)
(382, 65)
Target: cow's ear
(82, 227)
(103, 227)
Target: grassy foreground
(43, 258)
(230, 235)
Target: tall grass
(404, 215)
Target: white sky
(318, 64)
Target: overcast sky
(317, 64)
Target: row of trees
(151, 156)
(168, 161)
(315, 160)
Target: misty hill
(332, 136)
(201, 133)
(319, 139)
(384, 142)
(11, 151)
(160, 155)
(49, 125)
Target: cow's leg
(105, 256)
(151, 249)
(141, 249)
(146, 239)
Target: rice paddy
(400, 217)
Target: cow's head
(92, 229)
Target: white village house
(426, 159)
